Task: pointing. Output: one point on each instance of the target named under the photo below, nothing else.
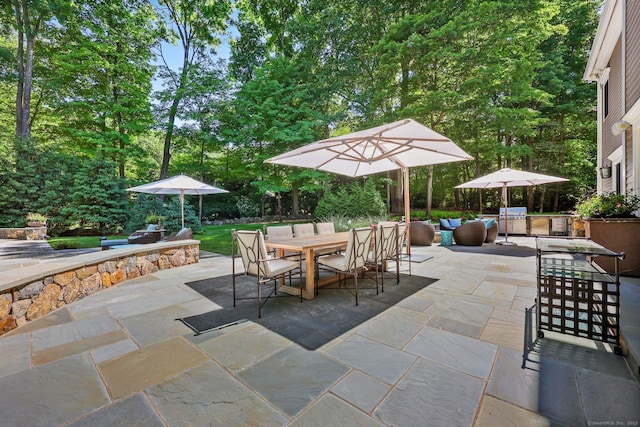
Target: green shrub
(343, 223)
(64, 244)
(610, 205)
(352, 201)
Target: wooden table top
(309, 242)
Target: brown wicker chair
(492, 233)
(183, 234)
(149, 235)
(470, 234)
(422, 233)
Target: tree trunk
(27, 31)
(166, 152)
(396, 201)
(173, 111)
(20, 84)
(295, 196)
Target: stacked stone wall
(36, 299)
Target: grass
(79, 242)
(213, 238)
(217, 238)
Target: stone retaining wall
(33, 299)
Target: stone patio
(449, 354)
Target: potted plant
(611, 221)
(35, 219)
(155, 219)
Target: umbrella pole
(506, 241)
(407, 209)
(182, 205)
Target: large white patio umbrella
(509, 178)
(179, 184)
(398, 145)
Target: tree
(197, 25)
(28, 20)
(97, 198)
(105, 71)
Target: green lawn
(213, 238)
(217, 238)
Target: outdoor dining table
(307, 246)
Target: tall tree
(197, 26)
(28, 20)
(106, 74)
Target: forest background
(90, 104)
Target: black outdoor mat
(419, 258)
(311, 324)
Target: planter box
(618, 235)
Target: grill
(516, 218)
(514, 212)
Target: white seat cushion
(279, 266)
(336, 261)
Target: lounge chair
(492, 233)
(151, 234)
(472, 233)
(183, 234)
(422, 233)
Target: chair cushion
(334, 261)
(455, 222)
(444, 223)
(279, 266)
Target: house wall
(632, 69)
(611, 142)
(632, 59)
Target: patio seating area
(444, 347)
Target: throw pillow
(455, 222)
(444, 223)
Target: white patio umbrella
(398, 145)
(509, 178)
(179, 184)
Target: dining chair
(303, 230)
(352, 261)
(385, 248)
(394, 251)
(403, 229)
(325, 228)
(279, 232)
(258, 263)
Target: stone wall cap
(22, 276)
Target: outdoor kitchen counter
(535, 225)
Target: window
(617, 176)
(617, 171)
(605, 99)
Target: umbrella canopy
(179, 184)
(510, 178)
(398, 145)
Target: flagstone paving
(449, 354)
